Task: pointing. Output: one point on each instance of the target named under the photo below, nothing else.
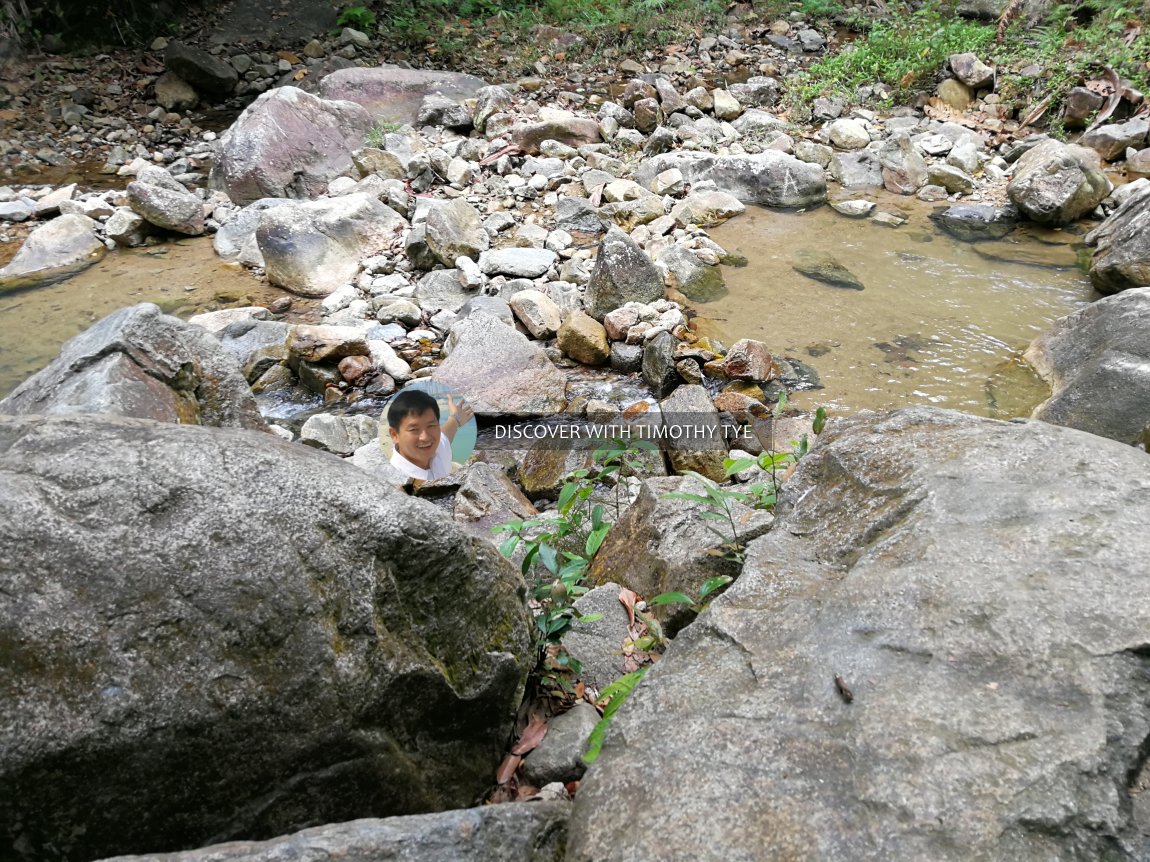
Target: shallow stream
(939, 321)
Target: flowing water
(183, 277)
(939, 321)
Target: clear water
(940, 322)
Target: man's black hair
(410, 402)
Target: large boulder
(1055, 183)
(54, 250)
(534, 831)
(142, 363)
(1111, 141)
(288, 144)
(769, 178)
(165, 202)
(206, 73)
(974, 222)
(554, 125)
(213, 634)
(623, 273)
(1122, 246)
(236, 241)
(1097, 361)
(985, 620)
(455, 229)
(312, 248)
(499, 370)
(394, 95)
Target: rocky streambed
(934, 646)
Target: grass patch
(908, 52)
(449, 30)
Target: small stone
(971, 71)
(955, 94)
(584, 339)
(848, 134)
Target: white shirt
(440, 462)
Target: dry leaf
(300, 75)
(628, 598)
(289, 56)
(532, 735)
(507, 768)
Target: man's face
(417, 437)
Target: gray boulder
(206, 73)
(554, 125)
(1111, 141)
(174, 93)
(1122, 246)
(974, 222)
(858, 170)
(598, 645)
(683, 271)
(1056, 183)
(340, 435)
(559, 757)
(436, 110)
(55, 250)
(517, 262)
(499, 370)
(662, 545)
(528, 831)
(236, 241)
(769, 178)
(657, 364)
(903, 169)
(441, 290)
(623, 273)
(1097, 361)
(702, 449)
(455, 229)
(391, 94)
(127, 228)
(142, 363)
(988, 620)
(312, 248)
(288, 144)
(165, 202)
(186, 591)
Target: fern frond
(1012, 10)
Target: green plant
(615, 694)
(377, 134)
(709, 586)
(717, 502)
(558, 548)
(358, 17)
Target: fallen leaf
(1112, 100)
(532, 735)
(628, 598)
(300, 75)
(507, 768)
(289, 56)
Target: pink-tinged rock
(392, 94)
(555, 125)
(288, 144)
(749, 360)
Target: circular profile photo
(427, 431)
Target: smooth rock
(769, 178)
(517, 262)
(205, 73)
(499, 370)
(857, 170)
(971, 71)
(455, 228)
(583, 338)
(706, 209)
(341, 435)
(236, 240)
(287, 144)
(1097, 361)
(538, 312)
(313, 248)
(1121, 257)
(827, 270)
(1111, 141)
(559, 757)
(848, 134)
(56, 249)
(974, 222)
(623, 273)
(683, 271)
(1056, 183)
(391, 94)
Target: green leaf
(549, 558)
(731, 466)
(617, 693)
(780, 406)
(510, 525)
(671, 599)
(712, 584)
(595, 540)
(589, 618)
(508, 547)
(683, 495)
(820, 420)
(529, 558)
(566, 495)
